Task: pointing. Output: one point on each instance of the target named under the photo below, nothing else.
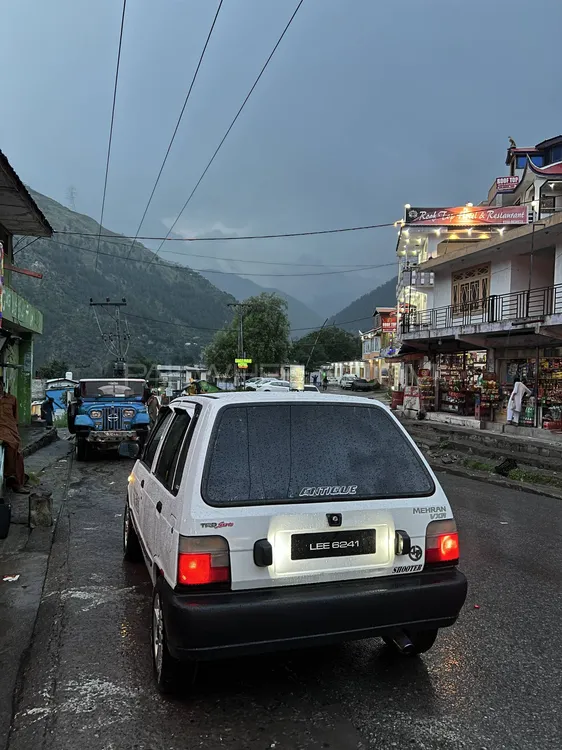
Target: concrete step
(435, 449)
(542, 447)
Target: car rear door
(279, 477)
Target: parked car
(312, 388)
(360, 384)
(347, 380)
(274, 385)
(258, 536)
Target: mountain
(360, 313)
(300, 316)
(172, 311)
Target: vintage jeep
(104, 413)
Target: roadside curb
(489, 478)
(48, 437)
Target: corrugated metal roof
(19, 213)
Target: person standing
(152, 406)
(515, 401)
(48, 410)
(14, 471)
(325, 383)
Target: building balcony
(516, 312)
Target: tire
(171, 676)
(423, 640)
(82, 449)
(132, 551)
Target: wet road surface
(492, 681)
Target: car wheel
(422, 641)
(170, 675)
(82, 449)
(131, 546)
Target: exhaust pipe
(403, 644)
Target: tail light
(441, 542)
(203, 560)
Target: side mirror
(5, 517)
(129, 450)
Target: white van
(260, 537)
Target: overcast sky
(367, 105)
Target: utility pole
(116, 343)
(240, 307)
(314, 345)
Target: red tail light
(203, 560)
(441, 542)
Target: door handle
(142, 482)
(159, 506)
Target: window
(182, 456)
(156, 436)
(538, 160)
(470, 288)
(547, 202)
(171, 448)
(251, 463)
(521, 162)
(555, 154)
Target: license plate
(333, 544)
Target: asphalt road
(492, 681)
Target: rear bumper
(214, 626)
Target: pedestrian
(197, 386)
(315, 379)
(47, 411)
(515, 400)
(14, 472)
(152, 407)
(325, 383)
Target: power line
(15, 252)
(170, 230)
(111, 126)
(167, 238)
(176, 267)
(176, 128)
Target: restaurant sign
(466, 216)
(506, 184)
(389, 323)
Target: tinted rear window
(274, 453)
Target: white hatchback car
(274, 385)
(260, 539)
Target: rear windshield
(274, 453)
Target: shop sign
(389, 324)
(506, 184)
(464, 216)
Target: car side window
(168, 458)
(182, 457)
(155, 438)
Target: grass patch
(472, 463)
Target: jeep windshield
(302, 453)
(112, 388)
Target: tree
(53, 369)
(266, 335)
(334, 345)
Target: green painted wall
(18, 310)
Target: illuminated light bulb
(407, 205)
(438, 232)
(470, 205)
(469, 230)
(407, 232)
(483, 236)
(501, 230)
(454, 237)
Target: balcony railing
(534, 303)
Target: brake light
(203, 560)
(441, 542)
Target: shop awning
(19, 213)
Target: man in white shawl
(515, 400)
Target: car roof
(215, 401)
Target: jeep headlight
(95, 414)
(129, 413)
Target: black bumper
(235, 623)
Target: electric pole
(314, 346)
(116, 342)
